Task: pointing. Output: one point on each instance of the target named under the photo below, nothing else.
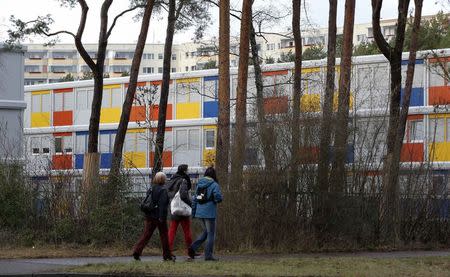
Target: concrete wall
(12, 104)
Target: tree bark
(159, 145)
(265, 132)
(326, 124)
(127, 104)
(389, 206)
(91, 170)
(340, 146)
(223, 123)
(237, 162)
(296, 96)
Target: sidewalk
(38, 267)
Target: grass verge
(67, 251)
(333, 266)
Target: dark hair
(211, 172)
(182, 168)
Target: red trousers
(149, 228)
(186, 224)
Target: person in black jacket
(156, 218)
(180, 181)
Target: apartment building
(52, 64)
(12, 103)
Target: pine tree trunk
(340, 146)
(389, 206)
(296, 96)
(223, 123)
(159, 146)
(131, 90)
(237, 161)
(266, 136)
(322, 210)
(91, 171)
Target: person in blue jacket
(204, 207)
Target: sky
(127, 29)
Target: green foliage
(270, 60)
(286, 57)
(433, 34)
(22, 29)
(68, 78)
(315, 52)
(366, 48)
(211, 64)
(16, 197)
(125, 74)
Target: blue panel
(418, 61)
(350, 155)
(350, 158)
(105, 160)
(211, 78)
(102, 132)
(79, 158)
(82, 133)
(416, 97)
(210, 109)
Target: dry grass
(66, 251)
(335, 266)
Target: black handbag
(148, 205)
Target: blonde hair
(160, 178)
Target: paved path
(34, 266)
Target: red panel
(276, 105)
(137, 113)
(62, 134)
(62, 161)
(139, 84)
(63, 90)
(412, 152)
(166, 159)
(154, 110)
(168, 129)
(415, 116)
(309, 154)
(441, 59)
(156, 83)
(64, 118)
(439, 95)
(278, 72)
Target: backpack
(202, 195)
(148, 205)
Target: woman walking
(156, 218)
(180, 182)
(207, 196)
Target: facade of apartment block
(12, 104)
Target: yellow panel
(134, 159)
(110, 115)
(442, 115)
(209, 157)
(311, 70)
(188, 110)
(188, 80)
(40, 119)
(140, 130)
(336, 101)
(111, 86)
(40, 92)
(310, 103)
(440, 153)
(209, 127)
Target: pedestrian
(157, 217)
(207, 196)
(181, 182)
